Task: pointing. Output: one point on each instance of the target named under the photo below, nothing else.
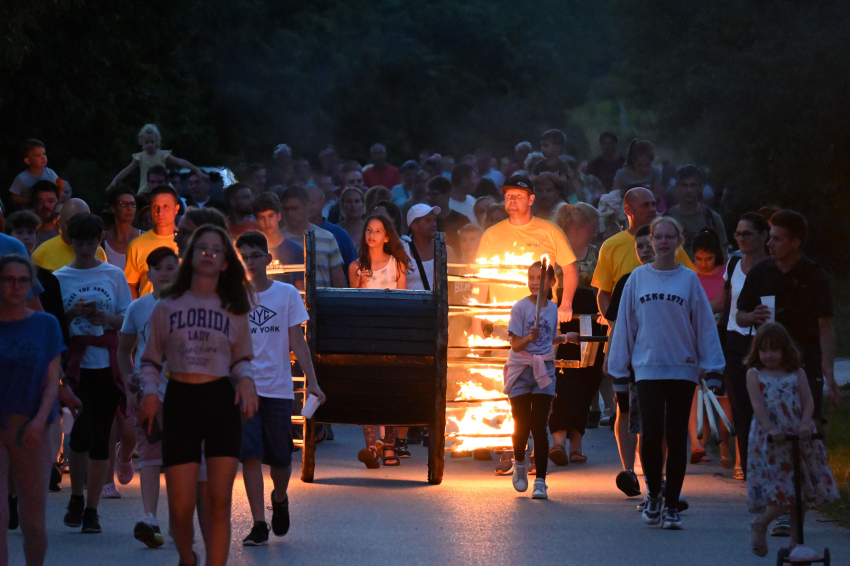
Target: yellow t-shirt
(55, 254)
(146, 162)
(617, 257)
(537, 237)
(136, 270)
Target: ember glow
(480, 342)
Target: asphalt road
(353, 516)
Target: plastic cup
(310, 406)
(770, 302)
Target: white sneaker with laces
(520, 478)
(540, 489)
(110, 492)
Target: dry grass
(838, 451)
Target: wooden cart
(380, 357)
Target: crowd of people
(146, 329)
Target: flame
(492, 418)
(475, 341)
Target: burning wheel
(380, 357)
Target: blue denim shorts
(526, 383)
(268, 435)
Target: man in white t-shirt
(267, 437)
(461, 199)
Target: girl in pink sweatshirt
(200, 326)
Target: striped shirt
(327, 257)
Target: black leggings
(665, 407)
(100, 397)
(735, 375)
(530, 412)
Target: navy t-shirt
(27, 347)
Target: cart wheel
(781, 556)
(436, 455)
(825, 557)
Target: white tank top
(113, 257)
(384, 278)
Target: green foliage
(226, 81)
(757, 91)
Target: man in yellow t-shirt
(617, 256)
(164, 206)
(57, 252)
(522, 233)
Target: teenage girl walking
(382, 264)
(29, 384)
(782, 404)
(530, 378)
(667, 332)
(200, 326)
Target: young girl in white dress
(782, 404)
(382, 264)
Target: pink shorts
(149, 454)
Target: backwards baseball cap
(519, 182)
(419, 210)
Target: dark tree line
(754, 90)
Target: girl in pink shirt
(200, 326)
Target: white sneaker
(520, 476)
(540, 489)
(110, 492)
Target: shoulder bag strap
(415, 253)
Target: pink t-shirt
(196, 335)
(713, 284)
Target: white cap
(420, 210)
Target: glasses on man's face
(127, 205)
(743, 235)
(10, 281)
(253, 257)
(210, 252)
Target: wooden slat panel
(391, 334)
(352, 321)
(375, 373)
(355, 346)
(355, 307)
(328, 293)
(363, 360)
(333, 387)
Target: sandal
(577, 458)
(738, 474)
(390, 460)
(558, 455)
(369, 456)
(726, 463)
(758, 541)
(698, 455)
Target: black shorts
(200, 416)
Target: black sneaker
(74, 516)
(329, 432)
(55, 478)
(627, 482)
(683, 505)
(259, 535)
(671, 520)
(652, 511)
(147, 531)
(414, 435)
(401, 448)
(280, 517)
(593, 419)
(91, 524)
(505, 467)
(13, 513)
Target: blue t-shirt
(523, 315)
(288, 252)
(9, 245)
(27, 347)
(343, 240)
